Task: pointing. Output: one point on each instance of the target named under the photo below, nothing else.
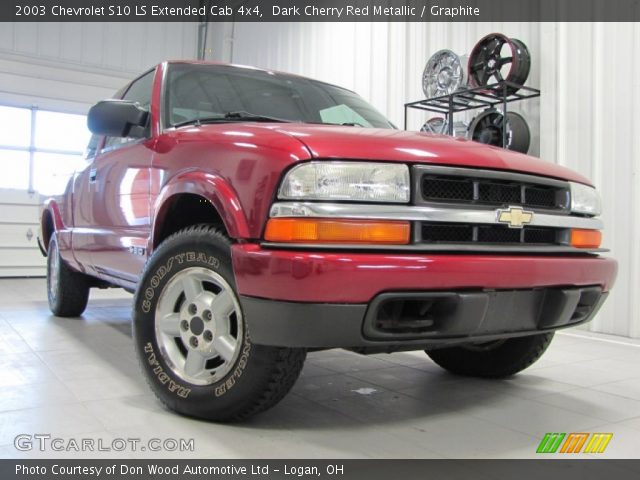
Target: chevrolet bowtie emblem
(515, 217)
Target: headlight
(585, 199)
(355, 181)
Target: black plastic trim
(498, 249)
(481, 316)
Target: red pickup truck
(259, 215)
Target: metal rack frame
(470, 99)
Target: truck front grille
(474, 189)
(492, 191)
(456, 233)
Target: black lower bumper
(398, 320)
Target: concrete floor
(78, 378)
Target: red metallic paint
(208, 186)
(349, 277)
(235, 166)
(238, 166)
(52, 208)
(328, 141)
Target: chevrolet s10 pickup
(258, 215)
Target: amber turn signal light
(586, 238)
(313, 230)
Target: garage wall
(19, 253)
(590, 106)
(585, 118)
(69, 66)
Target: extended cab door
(117, 192)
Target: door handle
(93, 174)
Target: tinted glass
(139, 91)
(210, 91)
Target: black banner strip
(319, 10)
(585, 469)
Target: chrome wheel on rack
(440, 126)
(444, 74)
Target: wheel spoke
(222, 305)
(225, 346)
(192, 287)
(194, 363)
(170, 324)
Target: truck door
(118, 187)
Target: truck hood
(328, 141)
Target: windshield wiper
(239, 116)
(345, 124)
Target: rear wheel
(500, 358)
(192, 339)
(67, 290)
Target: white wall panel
(586, 118)
(70, 66)
(19, 253)
(594, 85)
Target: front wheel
(192, 340)
(496, 359)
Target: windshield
(210, 92)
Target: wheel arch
(50, 222)
(206, 198)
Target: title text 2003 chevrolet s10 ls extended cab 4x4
(258, 215)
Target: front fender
(51, 206)
(213, 188)
(50, 209)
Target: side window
(92, 148)
(139, 91)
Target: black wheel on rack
(496, 58)
(518, 134)
(487, 127)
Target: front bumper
(396, 319)
(325, 299)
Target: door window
(139, 91)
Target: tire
(498, 359)
(188, 292)
(67, 290)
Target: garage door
(19, 253)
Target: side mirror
(117, 118)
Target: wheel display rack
(486, 96)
